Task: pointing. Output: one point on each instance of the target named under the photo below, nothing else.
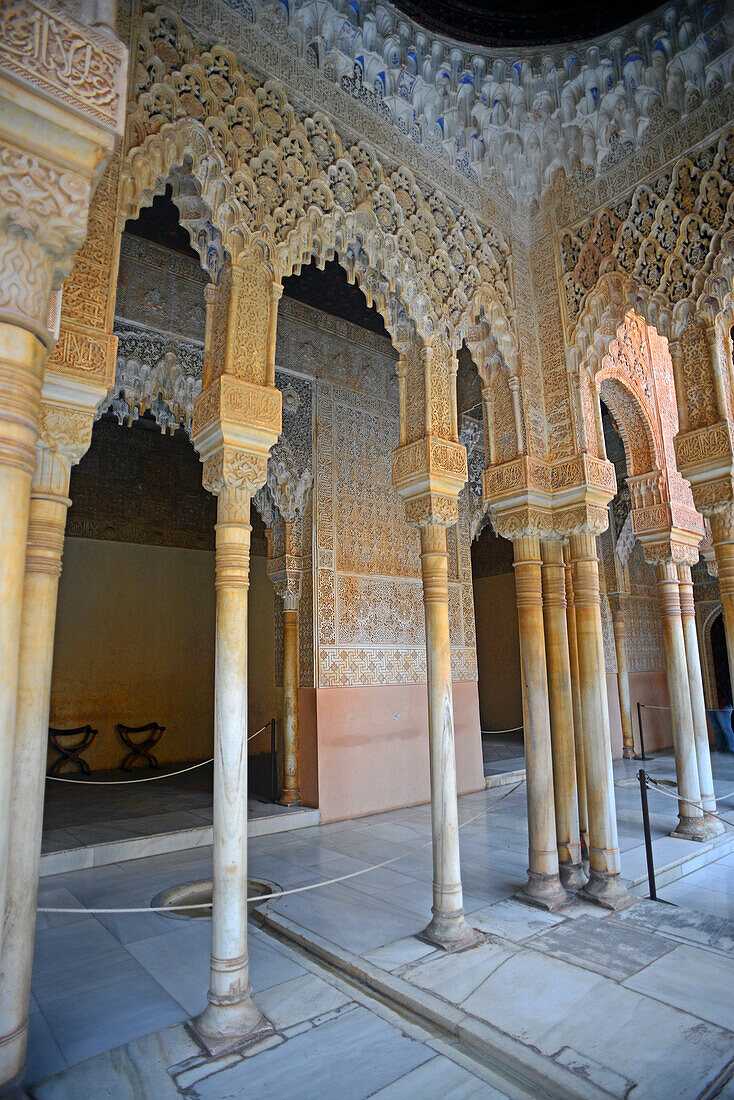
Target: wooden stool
(70, 754)
(141, 748)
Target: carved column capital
(235, 424)
(429, 474)
(62, 103)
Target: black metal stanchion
(639, 727)
(273, 764)
(648, 838)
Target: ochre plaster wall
(498, 652)
(135, 643)
(373, 747)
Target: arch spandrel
(291, 191)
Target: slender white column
(691, 824)
(605, 884)
(47, 517)
(561, 716)
(22, 356)
(698, 704)
(578, 733)
(231, 1018)
(543, 887)
(448, 927)
(623, 682)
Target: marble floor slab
(696, 981)
(615, 948)
(347, 1058)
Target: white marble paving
(100, 982)
(700, 982)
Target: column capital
(705, 457)
(235, 425)
(62, 104)
(429, 474)
(550, 500)
(285, 574)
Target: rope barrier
(652, 706)
(691, 802)
(145, 779)
(293, 890)
(514, 729)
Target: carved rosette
(429, 474)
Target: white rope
(293, 890)
(513, 730)
(691, 802)
(718, 797)
(145, 779)
(651, 706)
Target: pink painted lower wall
(646, 687)
(373, 747)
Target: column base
(714, 824)
(573, 876)
(451, 933)
(693, 828)
(224, 1028)
(289, 798)
(543, 892)
(13, 1047)
(628, 754)
(607, 890)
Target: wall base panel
(373, 747)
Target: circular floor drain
(200, 894)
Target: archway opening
(722, 677)
(135, 626)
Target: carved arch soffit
(288, 191)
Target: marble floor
(76, 816)
(638, 1003)
(502, 752)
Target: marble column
(288, 587)
(691, 824)
(578, 736)
(65, 434)
(698, 704)
(605, 884)
(722, 534)
(448, 927)
(623, 681)
(543, 887)
(561, 716)
(22, 357)
(231, 1018)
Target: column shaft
(623, 683)
(543, 887)
(231, 1017)
(578, 733)
(448, 928)
(722, 532)
(22, 356)
(605, 883)
(290, 794)
(691, 825)
(698, 704)
(561, 716)
(47, 517)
